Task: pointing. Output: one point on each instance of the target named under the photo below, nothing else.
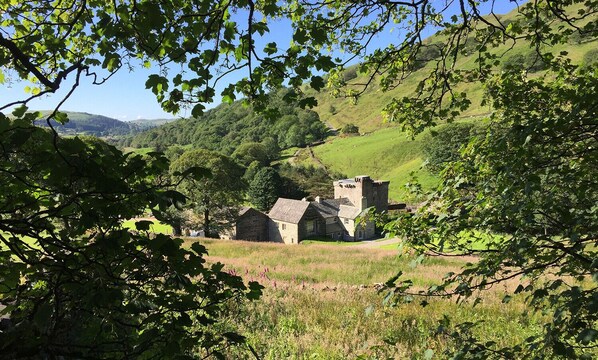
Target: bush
(590, 57)
(350, 129)
(350, 74)
(531, 62)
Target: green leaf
(317, 83)
(19, 111)
(143, 225)
(587, 336)
(61, 117)
(197, 111)
(271, 48)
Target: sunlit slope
(366, 113)
(386, 154)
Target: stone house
(294, 220)
(251, 225)
(363, 192)
(344, 218)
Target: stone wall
(253, 226)
(284, 232)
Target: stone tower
(363, 192)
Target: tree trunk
(176, 230)
(206, 218)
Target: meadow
(322, 302)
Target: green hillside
(150, 123)
(101, 126)
(386, 154)
(366, 112)
(384, 151)
(91, 124)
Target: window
(346, 221)
(284, 226)
(311, 226)
(360, 234)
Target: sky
(125, 98)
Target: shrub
(350, 129)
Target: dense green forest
(227, 126)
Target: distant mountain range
(101, 126)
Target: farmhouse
(343, 218)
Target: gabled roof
(329, 208)
(248, 210)
(243, 210)
(348, 212)
(288, 210)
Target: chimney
(304, 199)
(318, 199)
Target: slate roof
(288, 210)
(330, 207)
(349, 212)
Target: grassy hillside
(385, 154)
(313, 308)
(150, 123)
(366, 113)
(91, 124)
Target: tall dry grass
(320, 302)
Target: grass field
(319, 302)
(157, 227)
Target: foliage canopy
(530, 181)
(217, 196)
(73, 282)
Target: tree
(216, 197)
(73, 282)
(251, 170)
(441, 146)
(527, 184)
(252, 151)
(591, 57)
(265, 188)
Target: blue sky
(124, 96)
